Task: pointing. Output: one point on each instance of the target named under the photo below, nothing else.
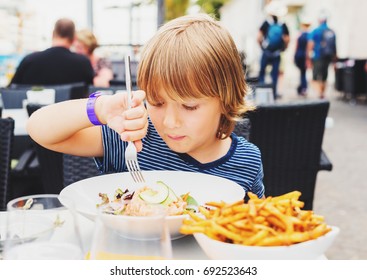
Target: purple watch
(90, 108)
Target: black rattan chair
(13, 98)
(78, 168)
(6, 143)
(59, 170)
(290, 137)
(50, 163)
(111, 89)
(62, 91)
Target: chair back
(6, 144)
(107, 90)
(290, 137)
(50, 162)
(62, 91)
(13, 98)
(70, 91)
(32, 107)
(78, 168)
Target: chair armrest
(325, 163)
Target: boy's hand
(132, 123)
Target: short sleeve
(113, 159)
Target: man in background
(273, 38)
(321, 51)
(57, 64)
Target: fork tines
(134, 169)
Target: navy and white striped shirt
(242, 164)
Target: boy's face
(189, 127)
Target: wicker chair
(50, 162)
(6, 143)
(289, 137)
(78, 168)
(13, 98)
(62, 91)
(59, 170)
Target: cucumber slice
(155, 196)
(172, 197)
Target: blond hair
(87, 38)
(195, 57)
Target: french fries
(273, 221)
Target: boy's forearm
(57, 122)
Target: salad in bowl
(124, 203)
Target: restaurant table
(185, 248)
(20, 117)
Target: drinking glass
(39, 227)
(118, 237)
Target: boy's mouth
(175, 137)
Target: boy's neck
(214, 152)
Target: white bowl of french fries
(261, 229)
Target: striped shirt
(242, 163)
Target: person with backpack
(321, 51)
(273, 38)
(300, 55)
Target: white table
(185, 248)
(20, 117)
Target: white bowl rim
(334, 230)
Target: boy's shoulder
(244, 145)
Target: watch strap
(90, 108)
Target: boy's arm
(65, 127)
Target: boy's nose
(171, 118)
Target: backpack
(328, 44)
(274, 38)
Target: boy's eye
(191, 107)
(157, 104)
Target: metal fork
(131, 157)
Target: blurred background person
(300, 55)
(85, 43)
(321, 51)
(57, 64)
(273, 38)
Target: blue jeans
(274, 60)
(301, 64)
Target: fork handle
(128, 80)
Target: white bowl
(135, 227)
(308, 250)
(202, 187)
